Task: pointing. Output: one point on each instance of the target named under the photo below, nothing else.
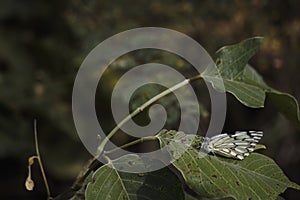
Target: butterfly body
(238, 145)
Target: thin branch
(94, 163)
(141, 108)
(40, 160)
(140, 140)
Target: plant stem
(141, 108)
(140, 140)
(94, 163)
(38, 157)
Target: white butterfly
(238, 145)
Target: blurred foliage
(42, 44)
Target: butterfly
(237, 146)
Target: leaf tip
(260, 146)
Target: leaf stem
(94, 163)
(38, 157)
(140, 140)
(141, 108)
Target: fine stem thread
(141, 108)
(140, 140)
(94, 163)
(40, 160)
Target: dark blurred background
(42, 44)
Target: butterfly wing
(238, 145)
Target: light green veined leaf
(232, 74)
(230, 64)
(255, 177)
(108, 183)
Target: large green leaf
(255, 177)
(283, 102)
(287, 105)
(230, 64)
(234, 75)
(108, 183)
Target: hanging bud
(29, 184)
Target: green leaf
(231, 62)
(280, 198)
(79, 195)
(189, 197)
(232, 74)
(287, 105)
(108, 183)
(283, 102)
(255, 177)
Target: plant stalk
(141, 108)
(140, 140)
(93, 163)
(38, 157)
